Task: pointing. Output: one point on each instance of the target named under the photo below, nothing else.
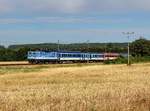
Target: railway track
(15, 63)
(27, 64)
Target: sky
(72, 21)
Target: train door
(90, 56)
(59, 55)
(83, 57)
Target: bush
(122, 60)
(140, 59)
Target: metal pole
(88, 51)
(105, 51)
(128, 52)
(58, 48)
(88, 45)
(128, 36)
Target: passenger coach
(62, 57)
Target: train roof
(77, 52)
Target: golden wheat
(86, 88)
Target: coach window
(30, 53)
(59, 55)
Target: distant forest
(140, 47)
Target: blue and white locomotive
(61, 57)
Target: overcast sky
(38, 21)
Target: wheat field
(78, 88)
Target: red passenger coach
(111, 56)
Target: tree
(21, 54)
(141, 47)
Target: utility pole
(88, 46)
(58, 47)
(128, 34)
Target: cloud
(72, 35)
(5, 7)
(53, 7)
(38, 20)
(113, 15)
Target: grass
(20, 69)
(37, 68)
(77, 87)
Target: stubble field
(77, 87)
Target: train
(37, 57)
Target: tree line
(139, 48)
